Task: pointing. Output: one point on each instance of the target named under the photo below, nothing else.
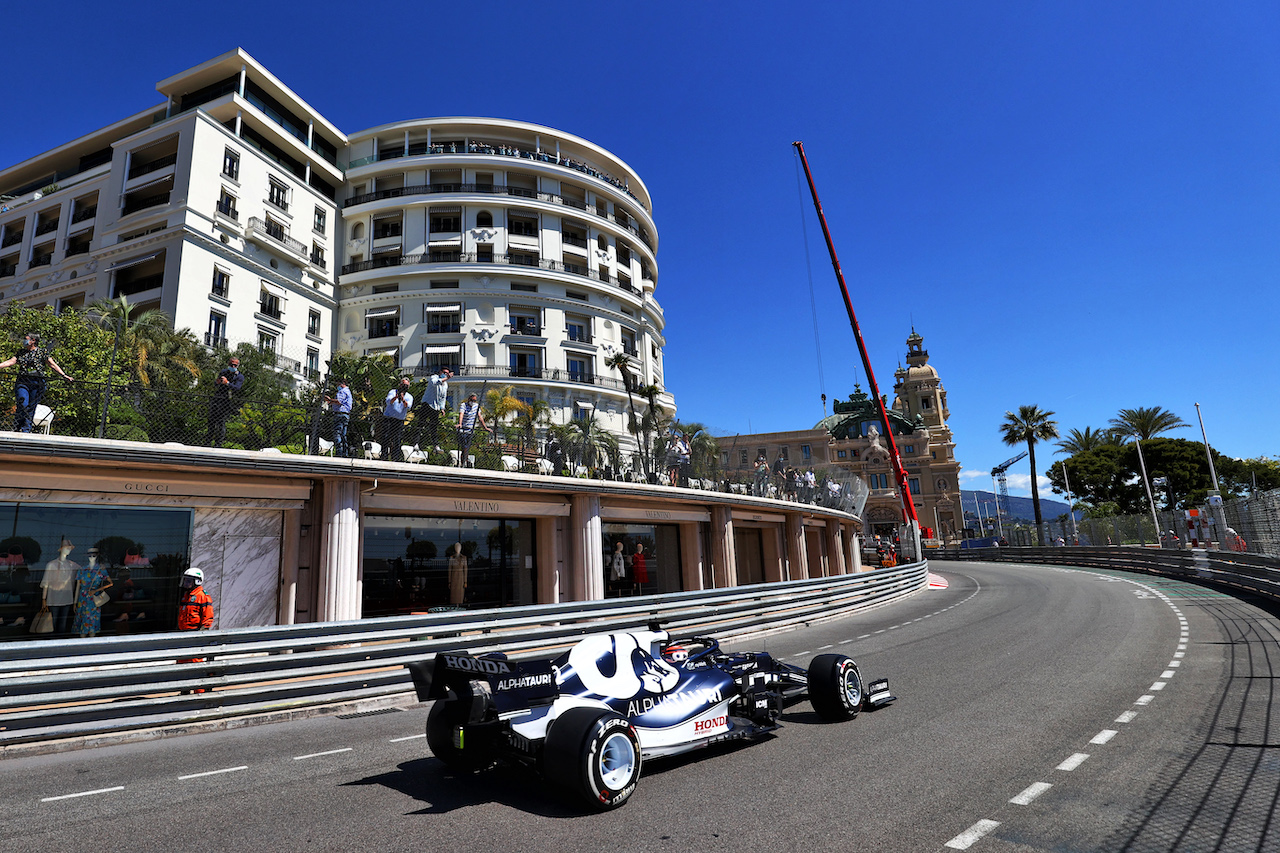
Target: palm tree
(1082, 441)
(1029, 426)
(529, 417)
(1144, 423)
(622, 363)
(146, 341)
(586, 443)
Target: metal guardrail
(1251, 572)
(64, 688)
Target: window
(525, 363)
(227, 205)
(317, 255)
(444, 285)
(573, 294)
(629, 343)
(446, 223)
(383, 322)
(926, 403)
(724, 458)
(231, 164)
(313, 363)
(524, 288)
(436, 357)
(908, 448)
(913, 483)
(742, 457)
(313, 323)
(388, 227)
(484, 219)
(221, 283)
(278, 194)
(321, 218)
(840, 454)
(269, 304)
(392, 353)
(520, 225)
(217, 334)
(806, 453)
(577, 329)
(276, 231)
(524, 321)
(386, 288)
(527, 397)
(266, 343)
(443, 319)
(579, 370)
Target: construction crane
(1002, 499)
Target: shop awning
(444, 309)
(379, 313)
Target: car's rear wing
(514, 685)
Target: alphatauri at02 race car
(588, 719)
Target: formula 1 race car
(589, 718)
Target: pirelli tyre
(835, 687)
(447, 742)
(594, 755)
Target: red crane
(900, 473)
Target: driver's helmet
(675, 653)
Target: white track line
(1073, 762)
(1126, 717)
(318, 754)
(1029, 795)
(214, 772)
(410, 737)
(1104, 736)
(82, 794)
(970, 836)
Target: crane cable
(813, 301)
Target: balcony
(520, 259)
(46, 227)
(540, 374)
(444, 328)
(577, 337)
(156, 165)
(7, 271)
(317, 261)
(574, 240)
(624, 220)
(269, 309)
(133, 205)
(11, 239)
(527, 329)
(276, 234)
(42, 260)
(84, 213)
(228, 210)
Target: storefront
(650, 561)
(419, 565)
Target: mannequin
(457, 574)
(57, 587)
(639, 568)
(90, 580)
(618, 566)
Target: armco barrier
(63, 688)
(1250, 572)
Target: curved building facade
(512, 253)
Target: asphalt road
(1040, 708)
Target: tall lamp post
(1071, 512)
(1215, 497)
(1147, 483)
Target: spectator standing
(468, 416)
(761, 488)
(340, 406)
(226, 391)
(394, 411)
(29, 388)
(437, 395)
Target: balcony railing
(458, 257)
(528, 329)
(215, 341)
(574, 240)
(444, 328)
(42, 260)
(276, 233)
(84, 213)
(77, 249)
(46, 227)
(623, 220)
(7, 271)
(153, 166)
(543, 374)
(133, 205)
(11, 239)
(318, 261)
(267, 309)
(228, 210)
(577, 337)
(502, 150)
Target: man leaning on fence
(399, 402)
(226, 389)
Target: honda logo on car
(711, 724)
(470, 664)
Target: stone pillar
(549, 530)
(724, 559)
(287, 600)
(797, 553)
(854, 551)
(586, 549)
(691, 556)
(835, 553)
(340, 587)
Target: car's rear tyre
(835, 687)
(456, 709)
(595, 755)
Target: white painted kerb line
(214, 772)
(966, 839)
(318, 754)
(1029, 795)
(82, 794)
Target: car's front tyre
(595, 755)
(835, 687)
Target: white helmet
(192, 578)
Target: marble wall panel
(239, 551)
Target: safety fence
(1254, 573)
(58, 689)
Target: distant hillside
(1020, 508)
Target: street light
(1147, 483)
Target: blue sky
(1075, 203)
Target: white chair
(325, 445)
(372, 450)
(274, 451)
(43, 419)
(510, 463)
(544, 466)
(413, 454)
(580, 471)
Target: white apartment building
(217, 207)
(514, 253)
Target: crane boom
(998, 472)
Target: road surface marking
(1027, 796)
(966, 839)
(827, 646)
(1168, 673)
(1126, 717)
(864, 636)
(1073, 762)
(1159, 685)
(318, 754)
(1104, 736)
(410, 737)
(1175, 663)
(82, 794)
(845, 642)
(1144, 700)
(214, 772)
